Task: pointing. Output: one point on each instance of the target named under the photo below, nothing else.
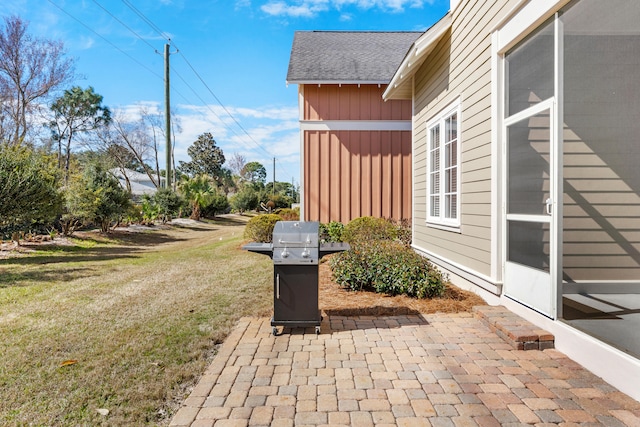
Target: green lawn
(139, 313)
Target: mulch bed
(338, 301)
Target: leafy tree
(254, 173)
(206, 158)
(226, 182)
(219, 204)
(284, 190)
(245, 200)
(28, 188)
(96, 197)
(31, 69)
(75, 112)
(199, 192)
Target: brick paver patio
(414, 370)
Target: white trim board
(356, 125)
(473, 277)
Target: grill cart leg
(317, 330)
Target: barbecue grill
(296, 251)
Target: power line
(223, 106)
(106, 40)
(124, 25)
(147, 20)
(166, 37)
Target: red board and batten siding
(352, 102)
(354, 173)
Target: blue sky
(228, 64)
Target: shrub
(260, 228)
(164, 205)
(245, 200)
(368, 228)
(331, 232)
(288, 214)
(388, 267)
(403, 230)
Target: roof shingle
(346, 56)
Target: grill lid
(296, 234)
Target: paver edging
(516, 331)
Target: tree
(236, 163)
(31, 69)
(131, 138)
(199, 191)
(254, 173)
(28, 188)
(96, 197)
(76, 111)
(206, 158)
(245, 200)
(226, 182)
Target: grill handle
(277, 286)
(291, 242)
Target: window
(443, 188)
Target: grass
(123, 323)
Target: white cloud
(270, 132)
(310, 8)
(306, 9)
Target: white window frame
(441, 220)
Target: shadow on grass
(43, 275)
(39, 266)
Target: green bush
(387, 267)
(403, 230)
(245, 200)
(331, 232)
(368, 228)
(260, 228)
(163, 205)
(288, 214)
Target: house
(355, 147)
(526, 146)
(138, 183)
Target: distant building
(139, 183)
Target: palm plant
(199, 191)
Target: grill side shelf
(260, 248)
(331, 248)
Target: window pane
(435, 183)
(528, 162)
(435, 206)
(529, 69)
(435, 137)
(451, 128)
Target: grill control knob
(305, 254)
(285, 253)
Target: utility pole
(167, 115)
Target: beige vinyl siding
(460, 67)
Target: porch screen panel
(601, 140)
(529, 244)
(528, 163)
(527, 85)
